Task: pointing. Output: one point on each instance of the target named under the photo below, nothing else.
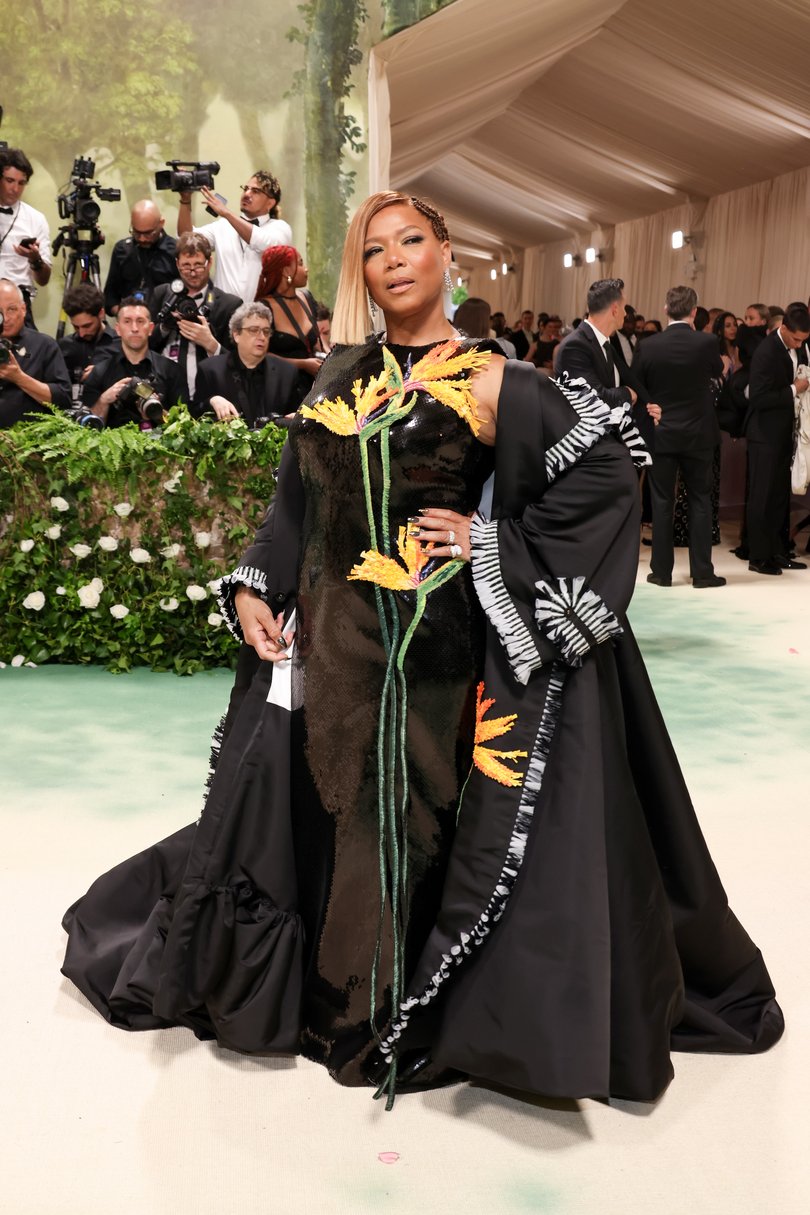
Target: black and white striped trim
(497, 602)
(243, 575)
(216, 746)
(574, 618)
(596, 419)
(504, 886)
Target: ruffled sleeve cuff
(520, 647)
(243, 575)
(574, 618)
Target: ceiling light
(677, 239)
(591, 254)
(504, 268)
(493, 274)
(568, 260)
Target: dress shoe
(764, 567)
(741, 552)
(787, 563)
(656, 581)
(705, 583)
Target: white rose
(26, 545)
(215, 620)
(171, 485)
(196, 593)
(139, 556)
(202, 539)
(60, 504)
(108, 543)
(119, 611)
(171, 550)
(122, 509)
(97, 583)
(53, 533)
(214, 585)
(60, 590)
(89, 596)
(170, 605)
(35, 602)
(80, 550)
(18, 660)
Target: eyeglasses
(254, 330)
(191, 267)
(254, 190)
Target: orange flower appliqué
(387, 572)
(434, 374)
(343, 419)
(487, 759)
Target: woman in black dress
(283, 288)
(438, 838)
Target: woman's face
(650, 327)
(403, 262)
(730, 328)
(298, 272)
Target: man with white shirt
(25, 244)
(239, 240)
(191, 315)
(677, 368)
(772, 389)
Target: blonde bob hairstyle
(351, 318)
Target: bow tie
(6, 210)
(255, 222)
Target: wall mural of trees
(256, 83)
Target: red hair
(274, 260)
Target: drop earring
(372, 307)
(448, 282)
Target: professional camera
(185, 175)
(78, 206)
(82, 416)
(139, 395)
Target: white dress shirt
(24, 221)
(238, 266)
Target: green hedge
(112, 540)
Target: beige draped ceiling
(547, 126)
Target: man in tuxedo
(625, 339)
(676, 368)
(587, 353)
(247, 382)
(187, 341)
(772, 389)
(523, 335)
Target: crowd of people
(220, 318)
(707, 371)
(178, 315)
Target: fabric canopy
(551, 126)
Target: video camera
(79, 208)
(185, 175)
(5, 344)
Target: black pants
(768, 500)
(696, 474)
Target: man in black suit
(247, 382)
(772, 390)
(677, 367)
(587, 353)
(187, 340)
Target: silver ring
(455, 550)
(451, 535)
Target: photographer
(108, 380)
(240, 240)
(247, 382)
(203, 330)
(92, 338)
(32, 370)
(141, 261)
(25, 245)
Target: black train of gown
(605, 935)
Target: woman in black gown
(295, 335)
(437, 837)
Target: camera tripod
(82, 264)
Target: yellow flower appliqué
(435, 371)
(387, 572)
(343, 419)
(487, 759)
